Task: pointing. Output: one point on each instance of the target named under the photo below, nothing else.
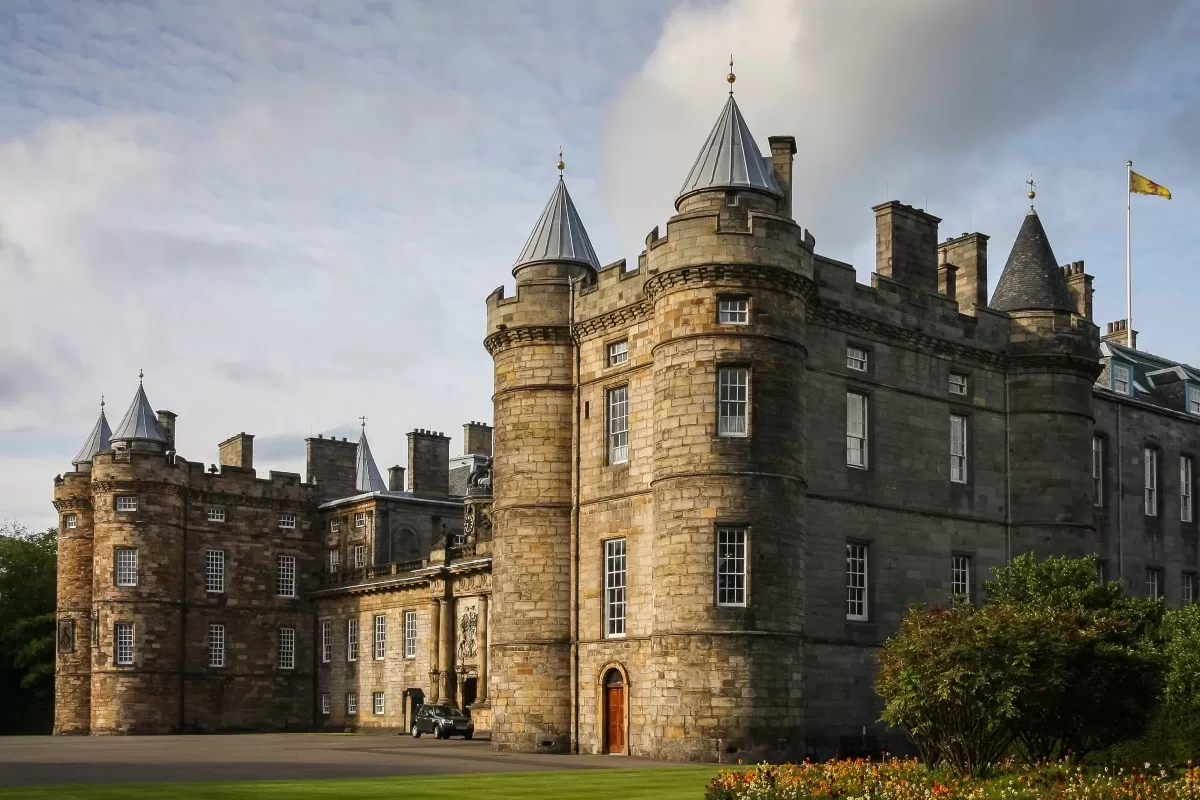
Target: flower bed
(907, 779)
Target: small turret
(730, 160)
(98, 441)
(366, 473)
(1032, 279)
(139, 428)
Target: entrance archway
(469, 693)
(614, 711)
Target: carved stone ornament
(466, 640)
(66, 636)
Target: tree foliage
(28, 563)
(1056, 662)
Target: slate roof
(1032, 278)
(730, 159)
(1156, 380)
(559, 234)
(366, 473)
(139, 422)
(98, 441)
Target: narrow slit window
(326, 641)
(352, 639)
(1098, 471)
(614, 587)
(958, 448)
(1151, 491)
(856, 430)
(1185, 488)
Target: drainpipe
(575, 381)
(1007, 474)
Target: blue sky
(289, 213)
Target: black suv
(443, 722)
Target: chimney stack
(1079, 283)
(331, 464)
(166, 424)
(237, 451)
(429, 464)
(477, 439)
(782, 150)
(396, 479)
(906, 245)
(1118, 333)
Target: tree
(1181, 691)
(28, 563)
(1109, 643)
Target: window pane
(958, 384)
(1098, 471)
(285, 584)
(214, 570)
(123, 643)
(1151, 493)
(351, 702)
(127, 562)
(618, 353)
(960, 576)
(326, 641)
(731, 566)
(733, 311)
(352, 639)
(732, 397)
(380, 636)
(287, 648)
(856, 581)
(856, 359)
(856, 430)
(216, 645)
(614, 587)
(618, 425)
(1185, 489)
(410, 634)
(958, 448)
(360, 556)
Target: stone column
(446, 650)
(435, 613)
(481, 649)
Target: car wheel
(467, 735)
(416, 732)
(442, 733)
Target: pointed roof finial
(363, 420)
(101, 404)
(140, 375)
(1031, 183)
(731, 77)
(561, 166)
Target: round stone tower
(73, 634)
(529, 338)
(730, 285)
(137, 503)
(1053, 360)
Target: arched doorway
(469, 693)
(614, 711)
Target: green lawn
(682, 783)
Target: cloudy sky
(289, 212)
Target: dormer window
(1193, 400)
(1120, 380)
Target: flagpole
(1128, 263)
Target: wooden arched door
(614, 712)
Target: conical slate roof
(1032, 278)
(139, 422)
(559, 234)
(366, 474)
(97, 441)
(730, 159)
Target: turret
(1053, 359)
(137, 499)
(529, 338)
(730, 285)
(73, 639)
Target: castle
(717, 479)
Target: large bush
(27, 595)
(1054, 663)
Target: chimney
(331, 465)
(429, 464)
(1079, 283)
(968, 254)
(237, 451)
(906, 248)
(477, 439)
(166, 424)
(782, 150)
(396, 479)
(1118, 333)
(947, 278)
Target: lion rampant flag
(1140, 184)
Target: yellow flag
(1140, 184)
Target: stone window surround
(287, 648)
(1150, 472)
(1099, 444)
(616, 355)
(867, 594)
(126, 503)
(410, 634)
(122, 644)
(722, 367)
(616, 397)
(326, 641)
(615, 564)
(70, 520)
(733, 309)
(352, 639)
(326, 703)
(856, 355)
(743, 557)
(963, 469)
(959, 384)
(125, 566)
(962, 574)
(352, 703)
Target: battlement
(616, 287)
(731, 236)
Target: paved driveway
(28, 760)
